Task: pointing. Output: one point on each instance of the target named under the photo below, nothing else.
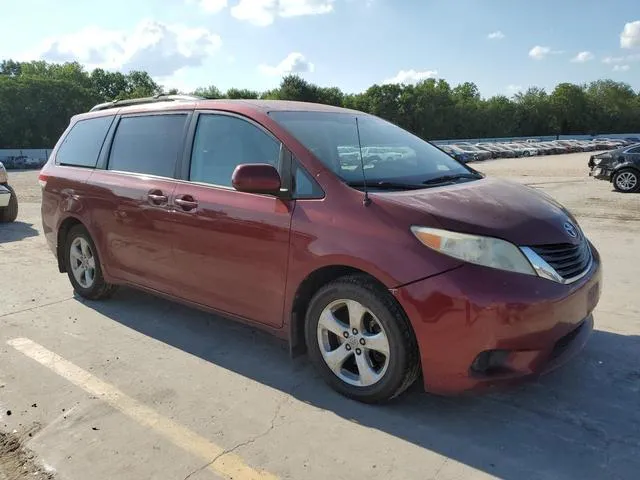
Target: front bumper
(534, 325)
(601, 172)
(5, 196)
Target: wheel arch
(305, 291)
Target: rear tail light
(42, 180)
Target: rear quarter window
(148, 144)
(81, 147)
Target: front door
(132, 198)
(232, 246)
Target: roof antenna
(367, 201)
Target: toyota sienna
(367, 247)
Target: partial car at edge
(621, 167)
(8, 198)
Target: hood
(491, 207)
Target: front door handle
(156, 197)
(186, 203)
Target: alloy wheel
(627, 181)
(83, 263)
(353, 343)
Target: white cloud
(583, 57)
(264, 12)
(158, 48)
(634, 57)
(621, 68)
(210, 6)
(630, 36)
(294, 63)
(540, 53)
(611, 60)
(497, 35)
(411, 76)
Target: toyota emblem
(571, 230)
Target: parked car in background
(478, 153)
(415, 267)
(460, 155)
(8, 198)
(493, 149)
(587, 145)
(510, 152)
(621, 167)
(525, 149)
(572, 146)
(543, 148)
(561, 147)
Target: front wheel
(10, 212)
(83, 266)
(360, 340)
(626, 181)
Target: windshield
(389, 153)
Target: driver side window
(222, 142)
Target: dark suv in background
(621, 167)
(368, 247)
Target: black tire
(99, 289)
(527, 154)
(10, 212)
(404, 365)
(627, 172)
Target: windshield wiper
(382, 184)
(451, 178)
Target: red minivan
(371, 249)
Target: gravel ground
(139, 387)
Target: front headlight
(486, 251)
(4, 178)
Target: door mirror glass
(256, 178)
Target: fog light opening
(491, 362)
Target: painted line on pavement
(229, 465)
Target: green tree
(211, 92)
(38, 98)
(571, 107)
(242, 93)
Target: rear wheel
(626, 181)
(10, 212)
(83, 266)
(360, 340)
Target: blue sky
(346, 43)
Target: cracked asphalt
(141, 388)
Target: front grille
(567, 260)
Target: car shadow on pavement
(582, 421)
(16, 231)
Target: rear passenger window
(82, 145)
(148, 144)
(222, 143)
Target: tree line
(38, 98)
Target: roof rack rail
(139, 101)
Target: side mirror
(256, 178)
